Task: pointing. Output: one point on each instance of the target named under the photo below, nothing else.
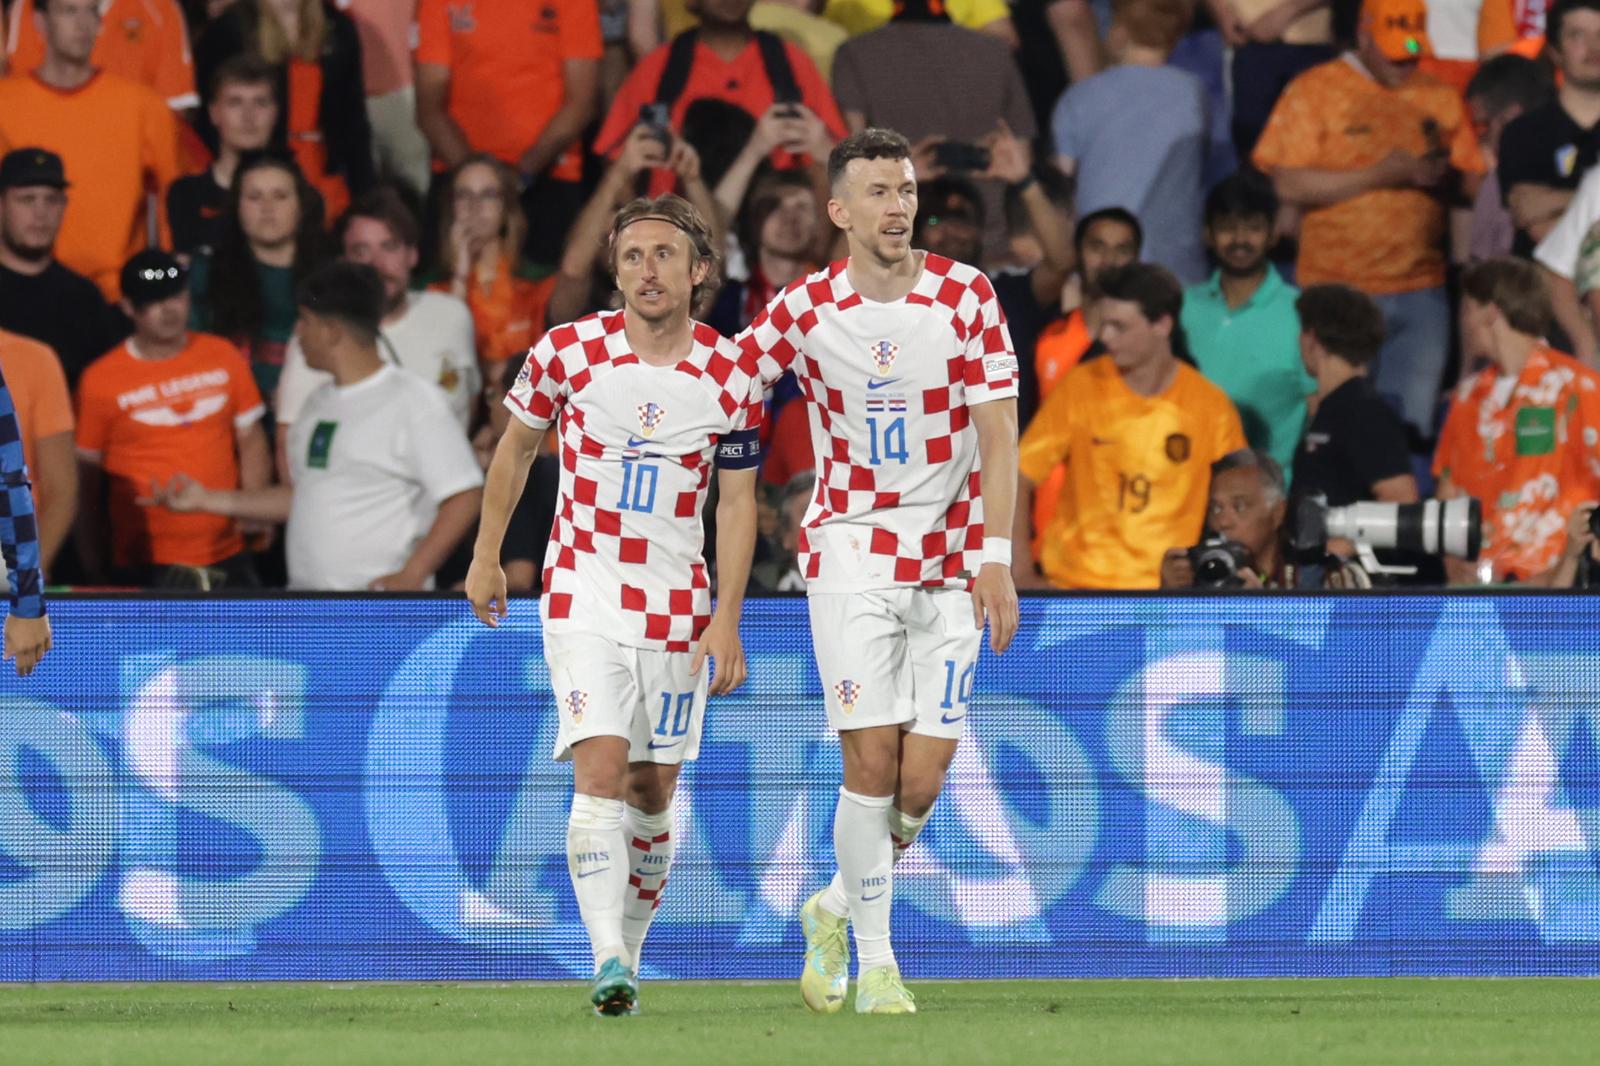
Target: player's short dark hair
(1511, 81)
(1268, 468)
(1344, 320)
(349, 292)
(871, 143)
(1246, 193)
(1515, 287)
(1080, 232)
(1558, 14)
(1153, 287)
(383, 204)
(682, 214)
(242, 69)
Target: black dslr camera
(1217, 562)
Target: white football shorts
(605, 689)
(896, 657)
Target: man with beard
(1241, 323)
(429, 334)
(40, 298)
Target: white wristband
(997, 550)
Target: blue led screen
(361, 788)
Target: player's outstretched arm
(736, 547)
(993, 595)
(502, 488)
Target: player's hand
(26, 641)
(486, 591)
(1177, 572)
(721, 642)
(994, 597)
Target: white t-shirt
(433, 339)
(1563, 245)
(889, 388)
(371, 462)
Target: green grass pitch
(1238, 1023)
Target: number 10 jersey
(638, 445)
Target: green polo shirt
(1253, 354)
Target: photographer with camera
(1522, 432)
(1246, 543)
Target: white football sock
(903, 829)
(866, 862)
(649, 839)
(597, 857)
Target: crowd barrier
(354, 788)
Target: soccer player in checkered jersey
(910, 380)
(27, 630)
(650, 403)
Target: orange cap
(1399, 28)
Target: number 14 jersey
(889, 388)
(638, 445)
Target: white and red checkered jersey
(889, 388)
(638, 445)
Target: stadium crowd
(1247, 250)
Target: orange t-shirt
(118, 141)
(385, 29)
(741, 82)
(305, 136)
(141, 40)
(1527, 452)
(1060, 347)
(507, 314)
(144, 420)
(1138, 472)
(499, 52)
(39, 392)
(1335, 117)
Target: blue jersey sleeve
(19, 532)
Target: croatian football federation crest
(577, 702)
(883, 353)
(650, 416)
(848, 692)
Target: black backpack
(680, 59)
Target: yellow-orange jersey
(1138, 472)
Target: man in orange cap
(1373, 151)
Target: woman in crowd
(272, 237)
(315, 52)
(480, 236)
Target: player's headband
(653, 218)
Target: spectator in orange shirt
(166, 401)
(144, 41)
(1137, 430)
(242, 103)
(272, 238)
(713, 83)
(44, 415)
(1373, 151)
(1522, 433)
(480, 242)
(473, 59)
(315, 53)
(117, 138)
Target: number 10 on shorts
(676, 717)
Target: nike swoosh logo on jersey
(657, 747)
(869, 899)
(947, 720)
(874, 385)
(637, 442)
(591, 873)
